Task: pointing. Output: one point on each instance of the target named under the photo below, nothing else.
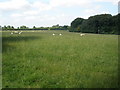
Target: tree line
(23, 27)
(103, 24)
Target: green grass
(40, 60)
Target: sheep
(82, 34)
(16, 32)
(20, 32)
(53, 34)
(11, 32)
(60, 34)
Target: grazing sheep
(60, 34)
(53, 34)
(11, 32)
(82, 34)
(20, 32)
(16, 32)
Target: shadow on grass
(6, 41)
(18, 38)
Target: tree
(75, 25)
(8, 27)
(103, 23)
(5, 27)
(0, 27)
(96, 22)
(65, 27)
(24, 27)
(12, 27)
(34, 27)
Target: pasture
(43, 60)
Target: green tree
(34, 27)
(12, 27)
(4, 28)
(8, 27)
(65, 27)
(24, 27)
(75, 25)
(103, 23)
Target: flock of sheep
(55, 34)
(19, 32)
(16, 32)
(61, 34)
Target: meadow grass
(41, 60)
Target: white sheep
(11, 32)
(53, 34)
(16, 32)
(82, 34)
(60, 34)
(20, 32)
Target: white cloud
(14, 4)
(32, 13)
(16, 15)
(41, 20)
(68, 3)
(30, 18)
(41, 6)
(94, 11)
(115, 2)
(23, 5)
(82, 3)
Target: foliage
(75, 25)
(24, 27)
(103, 23)
(54, 27)
(8, 27)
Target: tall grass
(41, 60)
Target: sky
(47, 13)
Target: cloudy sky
(51, 12)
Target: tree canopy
(75, 25)
(103, 23)
(23, 27)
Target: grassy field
(41, 60)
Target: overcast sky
(51, 12)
